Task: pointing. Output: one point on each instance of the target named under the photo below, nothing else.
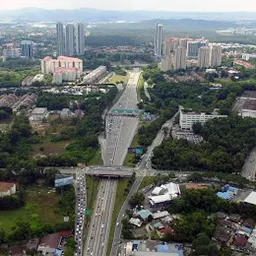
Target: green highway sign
(88, 212)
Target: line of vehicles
(80, 208)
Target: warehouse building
(95, 75)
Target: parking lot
(80, 212)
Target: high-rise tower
(60, 39)
(79, 35)
(69, 40)
(158, 40)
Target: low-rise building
(95, 75)
(188, 118)
(7, 189)
(38, 114)
(66, 113)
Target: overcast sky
(153, 5)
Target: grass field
(119, 201)
(140, 85)
(39, 209)
(148, 180)
(117, 78)
(50, 148)
(96, 160)
(130, 157)
(92, 186)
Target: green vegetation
(12, 72)
(92, 186)
(42, 213)
(118, 79)
(97, 159)
(140, 87)
(131, 159)
(81, 134)
(226, 144)
(137, 199)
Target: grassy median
(92, 186)
(119, 201)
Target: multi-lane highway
(120, 131)
(97, 239)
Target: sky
(151, 5)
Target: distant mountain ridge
(94, 15)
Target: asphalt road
(249, 167)
(81, 203)
(118, 228)
(96, 243)
(120, 131)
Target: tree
(137, 199)
(197, 128)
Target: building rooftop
(39, 111)
(195, 186)
(251, 199)
(5, 186)
(250, 104)
(51, 241)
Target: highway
(249, 167)
(120, 131)
(97, 239)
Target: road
(120, 131)
(97, 239)
(146, 160)
(118, 228)
(81, 203)
(249, 167)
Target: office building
(10, 52)
(180, 58)
(158, 40)
(60, 39)
(70, 40)
(248, 56)
(204, 57)
(194, 46)
(79, 36)
(215, 55)
(170, 45)
(27, 49)
(187, 119)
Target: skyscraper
(27, 49)
(204, 57)
(215, 56)
(60, 39)
(170, 45)
(158, 40)
(193, 47)
(70, 40)
(79, 39)
(180, 58)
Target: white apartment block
(180, 58)
(187, 119)
(215, 56)
(170, 45)
(204, 57)
(50, 65)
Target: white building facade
(187, 119)
(158, 40)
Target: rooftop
(51, 241)
(195, 186)
(250, 104)
(39, 111)
(5, 186)
(251, 199)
